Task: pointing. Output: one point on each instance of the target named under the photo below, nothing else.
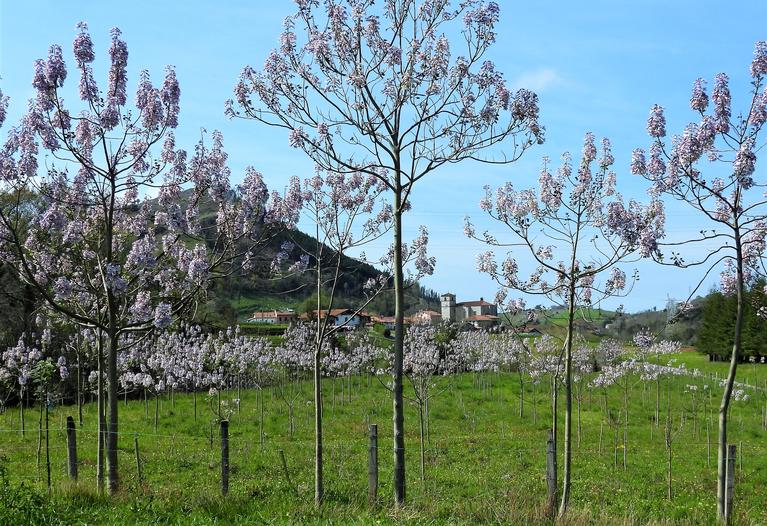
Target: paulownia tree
(348, 213)
(710, 167)
(380, 90)
(577, 228)
(100, 253)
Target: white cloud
(537, 80)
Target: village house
(346, 318)
(426, 317)
(386, 321)
(273, 317)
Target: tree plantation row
(486, 424)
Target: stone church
(479, 313)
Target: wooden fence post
(373, 465)
(71, 448)
(730, 488)
(224, 457)
(138, 457)
(551, 473)
(740, 459)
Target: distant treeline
(718, 325)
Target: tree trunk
(40, 437)
(318, 482)
(318, 337)
(626, 426)
(579, 421)
(79, 387)
(721, 483)
(156, 410)
(101, 418)
(21, 409)
(568, 400)
(555, 435)
(423, 445)
(47, 447)
(261, 416)
(399, 339)
(111, 438)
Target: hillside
(595, 323)
(234, 299)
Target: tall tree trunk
(79, 387)
(555, 437)
(568, 400)
(721, 482)
(100, 410)
(111, 438)
(318, 482)
(319, 490)
(47, 445)
(21, 409)
(399, 340)
(40, 437)
(423, 453)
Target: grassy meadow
(484, 462)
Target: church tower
(448, 307)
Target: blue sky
(596, 66)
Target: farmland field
(484, 463)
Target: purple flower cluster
(656, 123)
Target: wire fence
(459, 461)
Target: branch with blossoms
(735, 203)
(348, 213)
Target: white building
(273, 317)
(346, 318)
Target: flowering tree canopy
(726, 193)
(579, 218)
(397, 101)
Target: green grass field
(484, 463)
